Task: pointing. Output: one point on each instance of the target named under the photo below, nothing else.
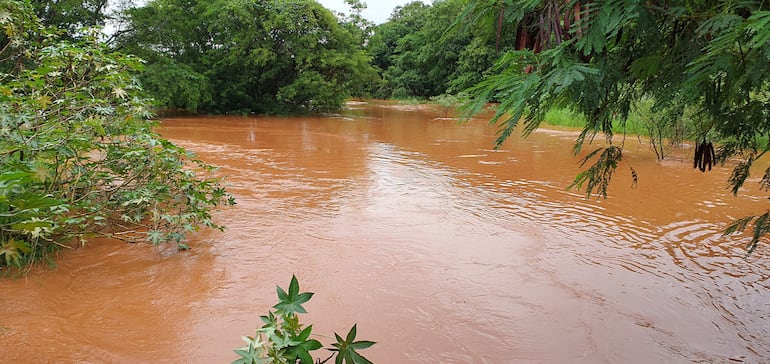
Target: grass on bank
(639, 120)
(635, 124)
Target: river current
(441, 249)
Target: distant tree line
(693, 70)
(266, 57)
(286, 56)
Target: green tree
(355, 22)
(601, 57)
(78, 154)
(406, 19)
(491, 35)
(176, 86)
(429, 50)
(279, 56)
(475, 61)
(369, 80)
(71, 15)
(417, 54)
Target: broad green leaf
(291, 302)
(30, 201)
(346, 349)
(14, 251)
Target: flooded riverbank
(439, 247)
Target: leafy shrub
(447, 102)
(78, 154)
(282, 339)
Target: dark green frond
(738, 225)
(598, 175)
(740, 174)
(761, 227)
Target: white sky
(377, 11)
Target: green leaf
(599, 174)
(156, 236)
(358, 345)
(351, 334)
(346, 349)
(305, 334)
(291, 302)
(358, 359)
(646, 66)
(759, 24)
(281, 342)
(269, 320)
(761, 227)
(302, 349)
(30, 201)
(738, 225)
(250, 355)
(14, 251)
(31, 225)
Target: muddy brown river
(442, 249)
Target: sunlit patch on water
(471, 155)
(491, 162)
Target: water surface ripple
(441, 248)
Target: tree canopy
(71, 15)
(422, 55)
(278, 56)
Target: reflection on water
(439, 247)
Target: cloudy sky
(377, 11)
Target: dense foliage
(78, 154)
(74, 113)
(71, 15)
(278, 56)
(283, 339)
(423, 52)
(601, 58)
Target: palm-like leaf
(347, 349)
(291, 302)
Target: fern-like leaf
(740, 174)
(738, 225)
(598, 175)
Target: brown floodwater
(439, 247)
